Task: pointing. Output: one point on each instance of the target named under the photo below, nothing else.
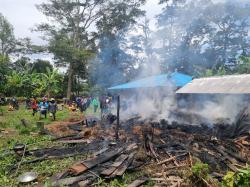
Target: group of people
(83, 103)
(44, 107)
(50, 106)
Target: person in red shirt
(34, 106)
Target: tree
(7, 38)
(19, 84)
(209, 35)
(51, 81)
(243, 66)
(231, 30)
(22, 64)
(69, 31)
(40, 66)
(4, 69)
(114, 62)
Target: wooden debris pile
(107, 164)
(176, 151)
(163, 152)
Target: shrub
(239, 179)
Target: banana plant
(51, 81)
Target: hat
(52, 99)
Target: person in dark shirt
(52, 108)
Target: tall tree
(209, 34)
(7, 38)
(114, 62)
(231, 31)
(40, 66)
(69, 30)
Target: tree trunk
(70, 75)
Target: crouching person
(52, 108)
(43, 108)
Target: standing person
(78, 102)
(95, 104)
(85, 100)
(14, 103)
(102, 104)
(34, 106)
(43, 108)
(52, 108)
(88, 102)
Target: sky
(23, 15)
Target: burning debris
(165, 152)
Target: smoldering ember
(125, 93)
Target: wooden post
(118, 119)
(40, 126)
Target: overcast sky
(23, 15)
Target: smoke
(160, 103)
(148, 103)
(223, 108)
(214, 109)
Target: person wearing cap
(52, 108)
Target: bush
(200, 170)
(239, 179)
(24, 131)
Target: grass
(13, 132)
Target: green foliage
(239, 179)
(123, 181)
(7, 39)
(244, 65)
(40, 66)
(4, 69)
(200, 170)
(51, 81)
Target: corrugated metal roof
(229, 84)
(178, 79)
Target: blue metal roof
(178, 79)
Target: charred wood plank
(114, 166)
(86, 183)
(71, 136)
(170, 159)
(73, 141)
(85, 165)
(227, 157)
(70, 180)
(138, 182)
(235, 155)
(122, 168)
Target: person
(10, 107)
(34, 106)
(43, 108)
(95, 104)
(52, 108)
(84, 104)
(78, 102)
(102, 104)
(14, 103)
(72, 107)
(88, 102)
